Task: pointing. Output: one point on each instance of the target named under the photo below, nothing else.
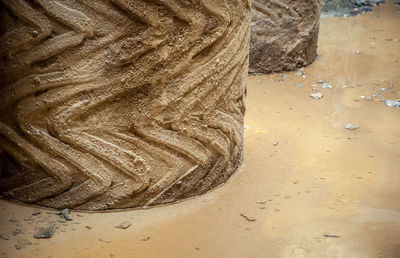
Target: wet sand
(307, 187)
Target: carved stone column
(284, 34)
(121, 103)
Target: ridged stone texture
(120, 103)
(284, 34)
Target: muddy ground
(308, 187)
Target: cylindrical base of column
(117, 104)
(284, 35)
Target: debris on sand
(146, 239)
(275, 143)
(350, 126)
(104, 240)
(298, 85)
(22, 243)
(124, 225)
(300, 72)
(392, 103)
(333, 236)
(64, 214)
(4, 236)
(18, 231)
(327, 86)
(316, 96)
(262, 202)
(45, 232)
(247, 218)
(37, 212)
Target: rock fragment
(333, 236)
(22, 243)
(4, 236)
(65, 214)
(350, 126)
(392, 103)
(327, 86)
(37, 212)
(247, 218)
(18, 231)
(45, 232)
(124, 225)
(316, 96)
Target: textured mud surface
(114, 104)
(304, 179)
(284, 34)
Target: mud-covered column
(284, 34)
(115, 104)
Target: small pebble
(36, 213)
(4, 236)
(124, 225)
(316, 96)
(326, 86)
(350, 126)
(22, 243)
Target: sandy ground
(308, 187)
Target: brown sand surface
(307, 188)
